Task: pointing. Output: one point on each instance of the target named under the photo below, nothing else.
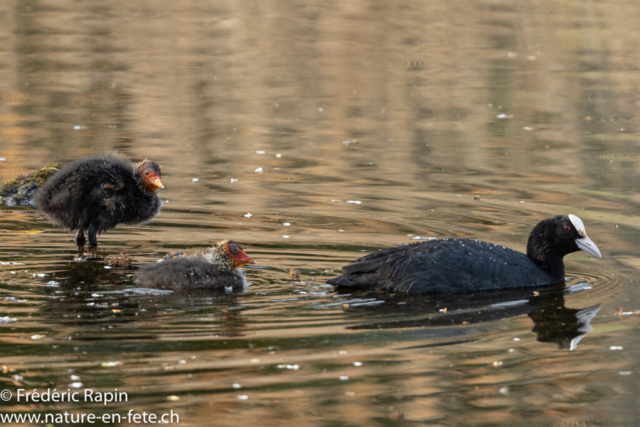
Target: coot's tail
(357, 281)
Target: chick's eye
(567, 228)
(146, 173)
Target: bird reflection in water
(553, 321)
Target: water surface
(439, 119)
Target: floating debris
(79, 127)
(527, 128)
(497, 363)
(357, 202)
(173, 398)
(247, 215)
(615, 348)
(260, 152)
(75, 385)
(7, 319)
(357, 363)
(504, 390)
(396, 416)
(195, 179)
(258, 170)
(120, 260)
(53, 284)
(234, 180)
(37, 337)
(344, 378)
(284, 236)
(279, 155)
(110, 364)
(353, 141)
(75, 378)
(243, 397)
(286, 224)
(108, 267)
(293, 367)
(14, 300)
(236, 386)
(504, 116)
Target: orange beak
(242, 258)
(155, 184)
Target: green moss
(20, 191)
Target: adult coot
(464, 265)
(97, 193)
(217, 268)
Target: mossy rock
(20, 191)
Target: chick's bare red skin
(97, 193)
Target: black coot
(97, 193)
(464, 265)
(217, 268)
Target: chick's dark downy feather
(218, 267)
(189, 272)
(102, 191)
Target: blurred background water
(340, 127)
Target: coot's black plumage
(97, 193)
(464, 265)
(217, 268)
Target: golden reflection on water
(443, 119)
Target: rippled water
(440, 119)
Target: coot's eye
(146, 173)
(567, 228)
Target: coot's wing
(377, 260)
(377, 270)
(108, 187)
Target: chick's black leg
(80, 239)
(93, 238)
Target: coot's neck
(539, 250)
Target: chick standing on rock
(216, 268)
(97, 193)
